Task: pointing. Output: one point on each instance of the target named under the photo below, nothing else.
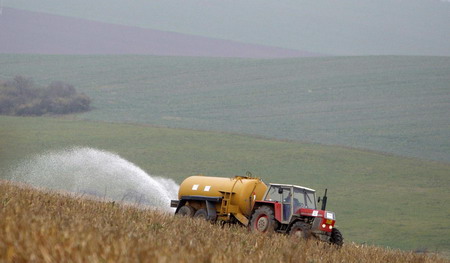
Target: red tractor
(292, 209)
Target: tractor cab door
(282, 195)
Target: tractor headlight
(324, 226)
(330, 227)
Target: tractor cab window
(303, 199)
(287, 197)
(299, 199)
(274, 194)
(310, 199)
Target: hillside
(373, 195)
(39, 33)
(50, 227)
(397, 105)
(350, 27)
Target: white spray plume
(96, 172)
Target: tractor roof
(293, 185)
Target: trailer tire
(263, 220)
(186, 210)
(201, 213)
(336, 237)
(300, 230)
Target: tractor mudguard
(275, 206)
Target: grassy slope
(390, 104)
(49, 227)
(308, 25)
(380, 199)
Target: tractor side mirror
(318, 200)
(280, 190)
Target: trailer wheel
(300, 230)
(263, 220)
(201, 213)
(336, 237)
(186, 210)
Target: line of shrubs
(20, 97)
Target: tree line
(21, 97)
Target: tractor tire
(263, 220)
(336, 237)
(186, 211)
(300, 230)
(201, 213)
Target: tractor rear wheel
(336, 237)
(300, 230)
(186, 210)
(263, 220)
(201, 213)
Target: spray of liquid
(98, 173)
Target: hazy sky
(340, 27)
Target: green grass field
(379, 199)
(390, 104)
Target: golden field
(44, 226)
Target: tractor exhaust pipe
(324, 200)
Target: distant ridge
(39, 33)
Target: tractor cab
(292, 198)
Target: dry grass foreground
(41, 226)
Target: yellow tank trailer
(224, 199)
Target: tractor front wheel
(263, 220)
(336, 237)
(300, 230)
